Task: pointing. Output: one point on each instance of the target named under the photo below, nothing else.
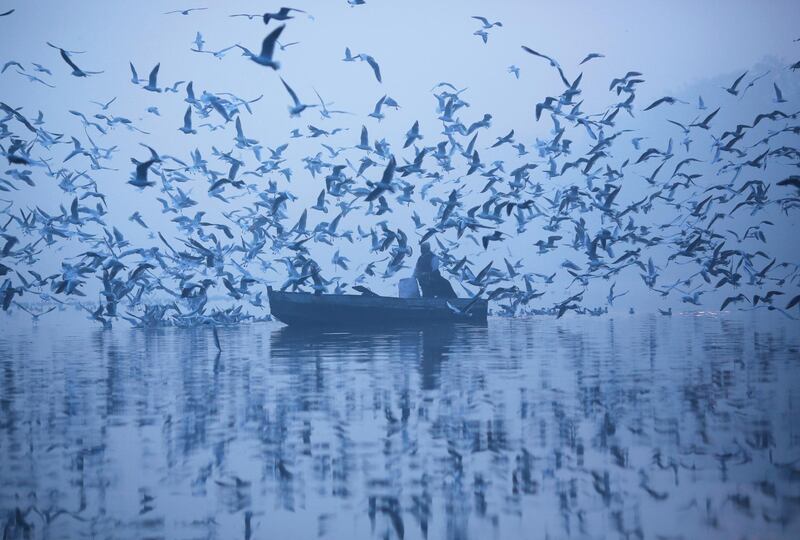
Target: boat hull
(306, 309)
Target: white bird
(187, 122)
(268, 48)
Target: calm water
(642, 426)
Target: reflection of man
(431, 282)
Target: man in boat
(431, 282)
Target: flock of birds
(478, 205)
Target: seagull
(412, 135)
(104, 106)
(778, 94)
(591, 56)
(152, 80)
(281, 15)
(76, 71)
(732, 88)
(34, 78)
(187, 122)
(326, 113)
(364, 141)
(348, 56)
(139, 178)
(386, 181)
(184, 11)
(297, 108)
(611, 296)
(376, 113)
(34, 315)
(486, 24)
(40, 68)
(753, 82)
(11, 63)
(669, 100)
(540, 55)
(373, 64)
(515, 70)
(734, 300)
(268, 48)
(503, 140)
(285, 46)
(198, 41)
(134, 76)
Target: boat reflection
(429, 346)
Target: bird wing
(374, 65)
(378, 105)
(737, 81)
(268, 45)
(291, 93)
(153, 79)
(66, 58)
(388, 173)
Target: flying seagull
(486, 24)
(76, 71)
(152, 82)
(591, 56)
(281, 15)
(267, 49)
(185, 11)
(732, 88)
(373, 64)
(187, 122)
(296, 108)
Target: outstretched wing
(291, 92)
(153, 79)
(374, 65)
(268, 46)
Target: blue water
(637, 427)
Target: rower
(430, 280)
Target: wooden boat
(306, 309)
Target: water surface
(641, 426)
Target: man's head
(425, 247)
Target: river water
(634, 426)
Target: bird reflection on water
(635, 427)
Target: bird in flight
(184, 11)
(486, 24)
(268, 48)
(282, 14)
(591, 56)
(76, 71)
(297, 108)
